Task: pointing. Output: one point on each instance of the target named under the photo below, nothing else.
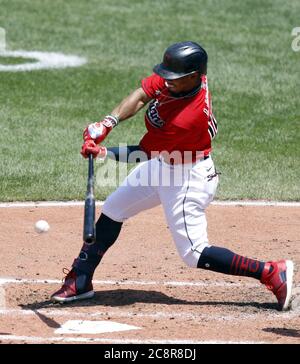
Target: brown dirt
(217, 308)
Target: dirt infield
(142, 282)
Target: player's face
(183, 84)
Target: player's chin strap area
(182, 95)
(190, 93)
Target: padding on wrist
(110, 121)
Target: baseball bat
(89, 206)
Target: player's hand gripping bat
(89, 206)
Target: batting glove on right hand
(99, 131)
(90, 147)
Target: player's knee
(192, 255)
(112, 210)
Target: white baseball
(41, 226)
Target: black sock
(225, 261)
(107, 232)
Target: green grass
(15, 60)
(254, 78)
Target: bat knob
(89, 239)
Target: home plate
(92, 327)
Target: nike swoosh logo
(208, 169)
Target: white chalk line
(129, 314)
(45, 60)
(45, 204)
(65, 312)
(289, 315)
(257, 203)
(36, 339)
(212, 283)
(2, 297)
(100, 203)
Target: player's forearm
(98, 131)
(131, 105)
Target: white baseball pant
(184, 191)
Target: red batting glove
(99, 131)
(90, 147)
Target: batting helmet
(182, 59)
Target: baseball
(41, 226)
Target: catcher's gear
(182, 59)
(99, 131)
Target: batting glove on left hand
(99, 131)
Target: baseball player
(180, 128)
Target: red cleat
(279, 281)
(74, 288)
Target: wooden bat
(89, 235)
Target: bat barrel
(89, 206)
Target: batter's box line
(153, 315)
(36, 339)
(211, 283)
(100, 203)
(2, 298)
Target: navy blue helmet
(182, 59)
